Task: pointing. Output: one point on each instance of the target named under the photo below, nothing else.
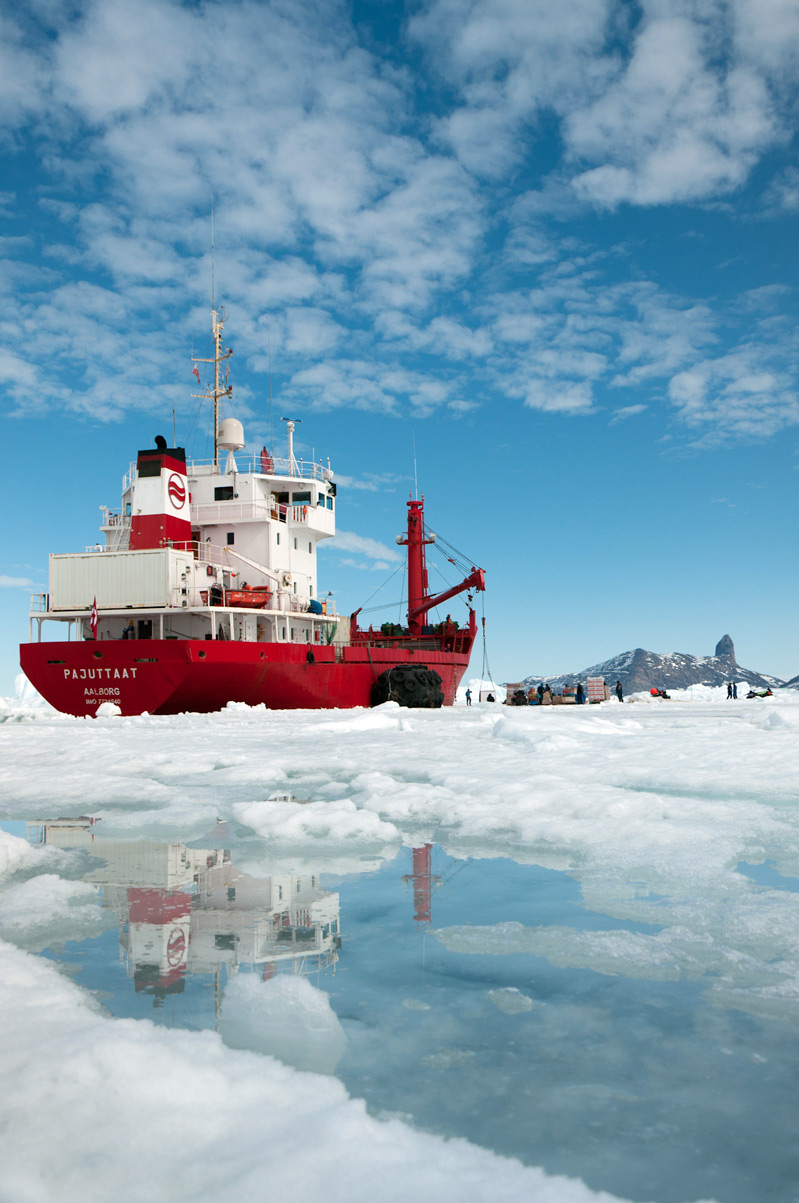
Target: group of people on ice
(732, 692)
(543, 695)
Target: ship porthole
(97, 655)
(202, 655)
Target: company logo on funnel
(177, 492)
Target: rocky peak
(642, 670)
(725, 647)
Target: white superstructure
(245, 570)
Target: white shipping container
(118, 579)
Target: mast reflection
(423, 880)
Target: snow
(650, 807)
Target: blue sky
(553, 246)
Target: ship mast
(419, 600)
(416, 542)
(218, 318)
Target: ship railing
(265, 465)
(457, 641)
(297, 470)
(229, 511)
(113, 518)
(40, 603)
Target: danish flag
(196, 372)
(94, 618)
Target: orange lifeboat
(249, 596)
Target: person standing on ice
(735, 691)
(729, 690)
(619, 691)
(579, 694)
(468, 697)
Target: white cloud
(14, 582)
(120, 57)
(311, 331)
(23, 77)
(677, 106)
(556, 396)
(767, 33)
(445, 336)
(459, 408)
(740, 394)
(627, 411)
(370, 483)
(368, 385)
(510, 59)
(372, 549)
(782, 194)
(671, 127)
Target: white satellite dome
(231, 435)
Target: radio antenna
(213, 293)
(271, 418)
(415, 477)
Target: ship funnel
(161, 500)
(231, 435)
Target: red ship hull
(174, 676)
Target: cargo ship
(204, 591)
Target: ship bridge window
(330, 503)
(223, 493)
(301, 498)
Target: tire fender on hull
(414, 686)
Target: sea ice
(132, 1110)
(650, 809)
(511, 1000)
(286, 1017)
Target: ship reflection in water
(191, 911)
(473, 995)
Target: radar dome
(231, 435)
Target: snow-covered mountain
(639, 669)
